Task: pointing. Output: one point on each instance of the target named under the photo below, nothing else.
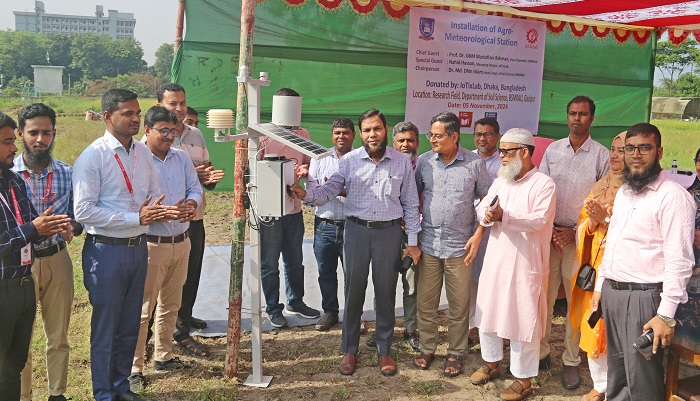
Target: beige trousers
(457, 276)
(167, 271)
(561, 267)
(53, 283)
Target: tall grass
(680, 139)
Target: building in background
(115, 24)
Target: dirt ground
(304, 362)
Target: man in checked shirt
(48, 184)
(21, 226)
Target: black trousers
(189, 289)
(630, 375)
(17, 311)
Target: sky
(155, 19)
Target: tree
(99, 56)
(688, 85)
(672, 60)
(164, 61)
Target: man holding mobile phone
(646, 267)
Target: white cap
(518, 135)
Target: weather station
(266, 183)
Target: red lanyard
(126, 176)
(18, 213)
(47, 192)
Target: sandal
(423, 361)
(194, 347)
(452, 362)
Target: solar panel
(292, 139)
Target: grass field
(680, 142)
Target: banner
(474, 66)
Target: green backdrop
(343, 63)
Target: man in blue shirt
(168, 244)
(20, 228)
(114, 182)
(49, 185)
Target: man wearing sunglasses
(646, 267)
(575, 163)
(168, 244)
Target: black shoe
(137, 383)
(327, 321)
(413, 339)
(57, 398)
(169, 366)
(303, 311)
(546, 362)
(131, 396)
(278, 320)
(197, 324)
(372, 340)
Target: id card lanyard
(126, 176)
(48, 196)
(17, 212)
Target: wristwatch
(606, 221)
(670, 322)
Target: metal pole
(239, 213)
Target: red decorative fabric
(330, 4)
(579, 33)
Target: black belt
(375, 224)
(337, 223)
(616, 285)
(16, 282)
(50, 250)
(133, 241)
(157, 239)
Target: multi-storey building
(115, 24)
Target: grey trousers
(382, 247)
(630, 375)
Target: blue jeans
(328, 247)
(284, 235)
(114, 276)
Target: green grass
(681, 140)
(63, 104)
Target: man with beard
(114, 182)
(20, 228)
(575, 163)
(329, 223)
(48, 183)
(449, 178)
(646, 267)
(512, 299)
(405, 139)
(381, 191)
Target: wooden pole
(179, 25)
(239, 213)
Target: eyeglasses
(643, 149)
(166, 131)
(437, 137)
(486, 135)
(504, 151)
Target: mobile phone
(595, 316)
(643, 344)
(494, 203)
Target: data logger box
(274, 175)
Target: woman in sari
(591, 232)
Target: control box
(274, 175)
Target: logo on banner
(465, 119)
(491, 114)
(427, 28)
(531, 37)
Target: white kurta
(512, 297)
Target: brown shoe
(387, 365)
(516, 392)
(593, 395)
(347, 364)
(485, 374)
(363, 327)
(570, 378)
